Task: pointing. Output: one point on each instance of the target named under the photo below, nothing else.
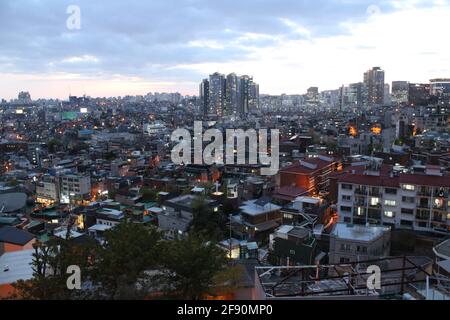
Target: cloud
(287, 45)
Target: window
(409, 187)
(407, 211)
(408, 199)
(390, 191)
(288, 216)
(374, 201)
(361, 249)
(406, 223)
(390, 203)
(360, 211)
(346, 209)
(344, 260)
(347, 186)
(389, 214)
(346, 198)
(292, 252)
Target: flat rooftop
(358, 232)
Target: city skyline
(286, 48)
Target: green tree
(129, 250)
(50, 263)
(191, 267)
(205, 222)
(148, 194)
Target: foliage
(129, 250)
(206, 222)
(191, 267)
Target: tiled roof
(15, 236)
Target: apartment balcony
(423, 205)
(422, 193)
(375, 206)
(361, 191)
(438, 219)
(422, 218)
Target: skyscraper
(253, 96)
(204, 96)
(217, 90)
(374, 81)
(232, 94)
(355, 94)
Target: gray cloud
(148, 38)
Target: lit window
(389, 214)
(409, 187)
(374, 201)
(390, 203)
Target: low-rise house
(178, 214)
(352, 243)
(13, 239)
(257, 219)
(290, 245)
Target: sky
(135, 46)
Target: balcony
(422, 217)
(424, 193)
(360, 203)
(423, 205)
(361, 191)
(374, 193)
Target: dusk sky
(135, 47)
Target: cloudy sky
(136, 46)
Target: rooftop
(15, 236)
(18, 266)
(253, 209)
(358, 232)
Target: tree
(191, 267)
(50, 263)
(148, 194)
(206, 222)
(129, 250)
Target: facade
(352, 243)
(217, 90)
(440, 88)
(232, 94)
(47, 191)
(311, 175)
(257, 219)
(400, 91)
(291, 245)
(374, 81)
(75, 188)
(204, 96)
(419, 94)
(401, 200)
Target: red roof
(298, 168)
(395, 182)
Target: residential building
(374, 81)
(353, 243)
(311, 175)
(416, 201)
(75, 188)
